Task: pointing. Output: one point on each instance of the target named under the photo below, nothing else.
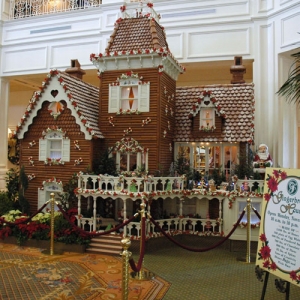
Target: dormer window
(129, 94)
(207, 119)
(207, 108)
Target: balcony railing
(29, 8)
(101, 184)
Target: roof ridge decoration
(210, 102)
(142, 11)
(38, 94)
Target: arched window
(130, 155)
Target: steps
(109, 244)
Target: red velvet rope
(194, 249)
(256, 212)
(137, 268)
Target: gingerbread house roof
(236, 101)
(137, 33)
(81, 98)
(138, 41)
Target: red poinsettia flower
(293, 275)
(266, 264)
(276, 173)
(272, 184)
(267, 197)
(265, 252)
(263, 237)
(283, 175)
(273, 266)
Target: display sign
(279, 237)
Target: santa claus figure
(262, 158)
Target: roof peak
(143, 9)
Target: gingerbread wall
(86, 150)
(157, 135)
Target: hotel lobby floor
(218, 274)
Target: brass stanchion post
(142, 274)
(52, 225)
(248, 242)
(51, 250)
(125, 269)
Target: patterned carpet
(26, 273)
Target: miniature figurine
(262, 158)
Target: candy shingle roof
(81, 98)
(86, 98)
(133, 41)
(137, 33)
(237, 102)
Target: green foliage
(244, 169)
(105, 164)
(68, 198)
(291, 88)
(218, 176)
(12, 184)
(68, 234)
(6, 204)
(182, 166)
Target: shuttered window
(129, 96)
(54, 146)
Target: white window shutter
(114, 98)
(42, 149)
(144, 96)
(65, 150)
(41, 198)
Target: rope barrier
(256, 212)
(137, 268)
(194, 249)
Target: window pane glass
(123, 162)
(55, 150)
(129, 97)
(133, 162)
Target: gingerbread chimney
(75, 69)
(238, 70)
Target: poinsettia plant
(14, 224)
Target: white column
(4, 101)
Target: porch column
(220, 214)
(181, 206)
(95, 214)
(4, 101)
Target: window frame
(45, 146)
(115, 96)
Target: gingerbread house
(138, 113)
